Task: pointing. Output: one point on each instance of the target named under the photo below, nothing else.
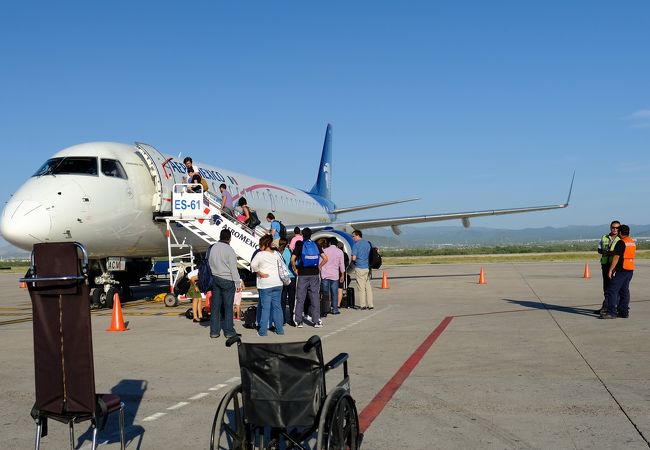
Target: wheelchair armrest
(312, 342)
(337, 361)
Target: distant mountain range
(436, 236)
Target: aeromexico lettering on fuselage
(242, 236)
(205, 173)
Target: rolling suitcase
(325, 303)
(348, 300)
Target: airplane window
(113, 168)
(69, 165)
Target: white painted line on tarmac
(233, 379)
(217, 387)
(153, 417)
(199, 396)
(177, 405)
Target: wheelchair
(282, 402)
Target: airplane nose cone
(25, 223)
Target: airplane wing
(395, 222)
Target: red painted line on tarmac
(377, 404)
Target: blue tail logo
(323, 186)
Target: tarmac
(441, 362)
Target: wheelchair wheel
(339, 426)
(228, 428)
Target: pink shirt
(332, 269)
(296, 238)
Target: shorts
(193, 292)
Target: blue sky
(469, 105)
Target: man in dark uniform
(620, 273)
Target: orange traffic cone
(384, 281)
(117, 322)
(23, 285)
(587, 273)
(481, 277)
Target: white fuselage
(115, 216)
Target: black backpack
(254, 221)
(374, 258)
(205, 274)
(250, 317)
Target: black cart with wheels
(282, 401)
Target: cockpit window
(113, 168)
(72, 165)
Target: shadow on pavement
(131, 393)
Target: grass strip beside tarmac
(502, 258)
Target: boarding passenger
(274, 230)
(226, 200)
(269, 286)
(332, 273)
(306, 260)
(360, 258)
(296, 237)
(225, 282)
(191, 168)
(605, 247)
(195, 182)
(620, 273)
(346, 263)
(245, 217)
(289, 291)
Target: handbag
(285, 276)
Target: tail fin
(323, 186)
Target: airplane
(112, 197)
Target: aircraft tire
(170, 300)
(94, 297)
(110, 294)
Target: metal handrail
(84, 269)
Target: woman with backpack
(269, 286)
(249, 217)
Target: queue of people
(617, 250)
(316, 272)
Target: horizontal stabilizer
(371, 205)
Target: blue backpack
(205, 274)
(310, 254)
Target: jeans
(618, 293)
(332, 287)
(270, 306)
(306, 283)
(223, 296)
(289, 301)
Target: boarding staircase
(201, 214)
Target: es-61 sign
(186, 204)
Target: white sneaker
(307, 317)
(319, 324)
(299, 325)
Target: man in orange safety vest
(620, 273)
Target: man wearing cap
(605, 247)
(620, 273)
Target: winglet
(568, 199)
